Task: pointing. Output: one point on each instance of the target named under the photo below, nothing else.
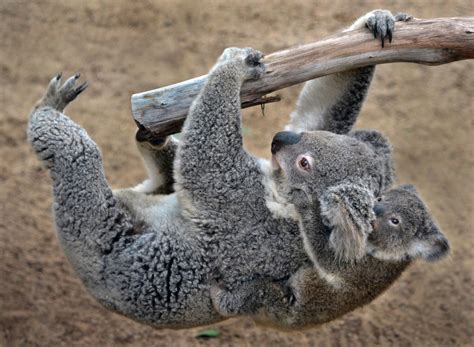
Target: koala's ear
(348, 210)
(432, 246)
(409, 188)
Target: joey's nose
(284, 138)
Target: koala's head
(403, 228)
(306, 163)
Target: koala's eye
(304, 162)
(379, 199)
(394, 221)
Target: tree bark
(429, 41)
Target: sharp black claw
(389, 32)
(382, 39)
(375, 32)
(81, 88)
(58, 76)
(77, 75)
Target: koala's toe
(69, 91)
(54, 84)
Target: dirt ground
(122, 47)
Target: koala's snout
(379, 209)
(284, 138)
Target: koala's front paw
(382, 23)
(246, 60)
(57, 96)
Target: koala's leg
(212, 166)
(88, 220)
(156, 276)
(158, 155)
(333, 102)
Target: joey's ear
(409, 188)
(432, 245)
(348, 210)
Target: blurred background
(122, 47)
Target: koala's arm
(347, 209)
(333, 102)
(212, 168)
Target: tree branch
(429, 41)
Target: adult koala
(231, 218)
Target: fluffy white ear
(433, 245)
(348, 210)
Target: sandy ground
(123, 47)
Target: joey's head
(305, 164)
(403, 228)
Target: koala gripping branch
(429, 41)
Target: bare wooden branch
(429, 41)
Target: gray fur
(332, 102)
(345, 211)
(155, 257)
(157, 276)
(307, 298)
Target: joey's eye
(394, 221)
(379, 199)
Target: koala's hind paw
(247, 60)
(57, 96)
(143, 135)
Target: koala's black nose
(284, 138)
(379, 209)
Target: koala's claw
(57, 96)
(68, 92)
(381, 23)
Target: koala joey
(211, 212)
(403, 231)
